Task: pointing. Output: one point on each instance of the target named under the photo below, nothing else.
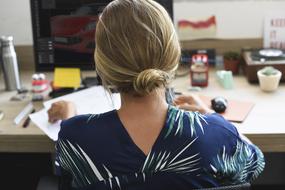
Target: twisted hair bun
(137, 49)
(149, 80)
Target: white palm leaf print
(167, 161)
(93, 167)
(84, 172)
(70, 159)
(178, 117)
(239, 167)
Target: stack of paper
(94, 100)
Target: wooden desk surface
(264, 125)
(14, 138)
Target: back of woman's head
(137, 49)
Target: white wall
(235, 19)
(15, 20)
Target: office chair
(52, 183)
(55, 182)
(48, 183)
(245, 186)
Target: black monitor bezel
(168, 4)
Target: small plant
(269, 78)
(232, 55)
(269, 71)
(232, 61)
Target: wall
(236, 19)
(15, 20)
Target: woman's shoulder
(217, 129)
(84, 123)
(198, 123)
(210, 129)
(87, 118)
(218, 122)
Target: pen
(178, 93)
(27, 109)
(1, 115)
(27, 121)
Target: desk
(15, 138)
(264, 125)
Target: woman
(147, 144)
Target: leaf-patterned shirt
(192, 151)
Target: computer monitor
(63, 32)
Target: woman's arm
(61, 110)
(235, 158)
(192, 103)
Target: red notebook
(236, 111)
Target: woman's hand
(192, 103)
(61, 110)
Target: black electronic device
(63, 31)
(219, 104)
(186, 55)
(257, 59)
(91, 81)
(268, 55)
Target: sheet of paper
(40, 118)
(93, 100)
(67, 77)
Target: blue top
(191, 151)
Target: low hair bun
(136, 54)
(149, 80)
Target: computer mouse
(219, 104)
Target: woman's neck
(144, 117)
(152, 103)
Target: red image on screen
(75, 32)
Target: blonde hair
(137, 49)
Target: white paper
(93, 100)
(274, 30)
(40, 118)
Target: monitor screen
(63, 31)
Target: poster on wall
(198, 29)
(274, 30)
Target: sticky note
(67, 77)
